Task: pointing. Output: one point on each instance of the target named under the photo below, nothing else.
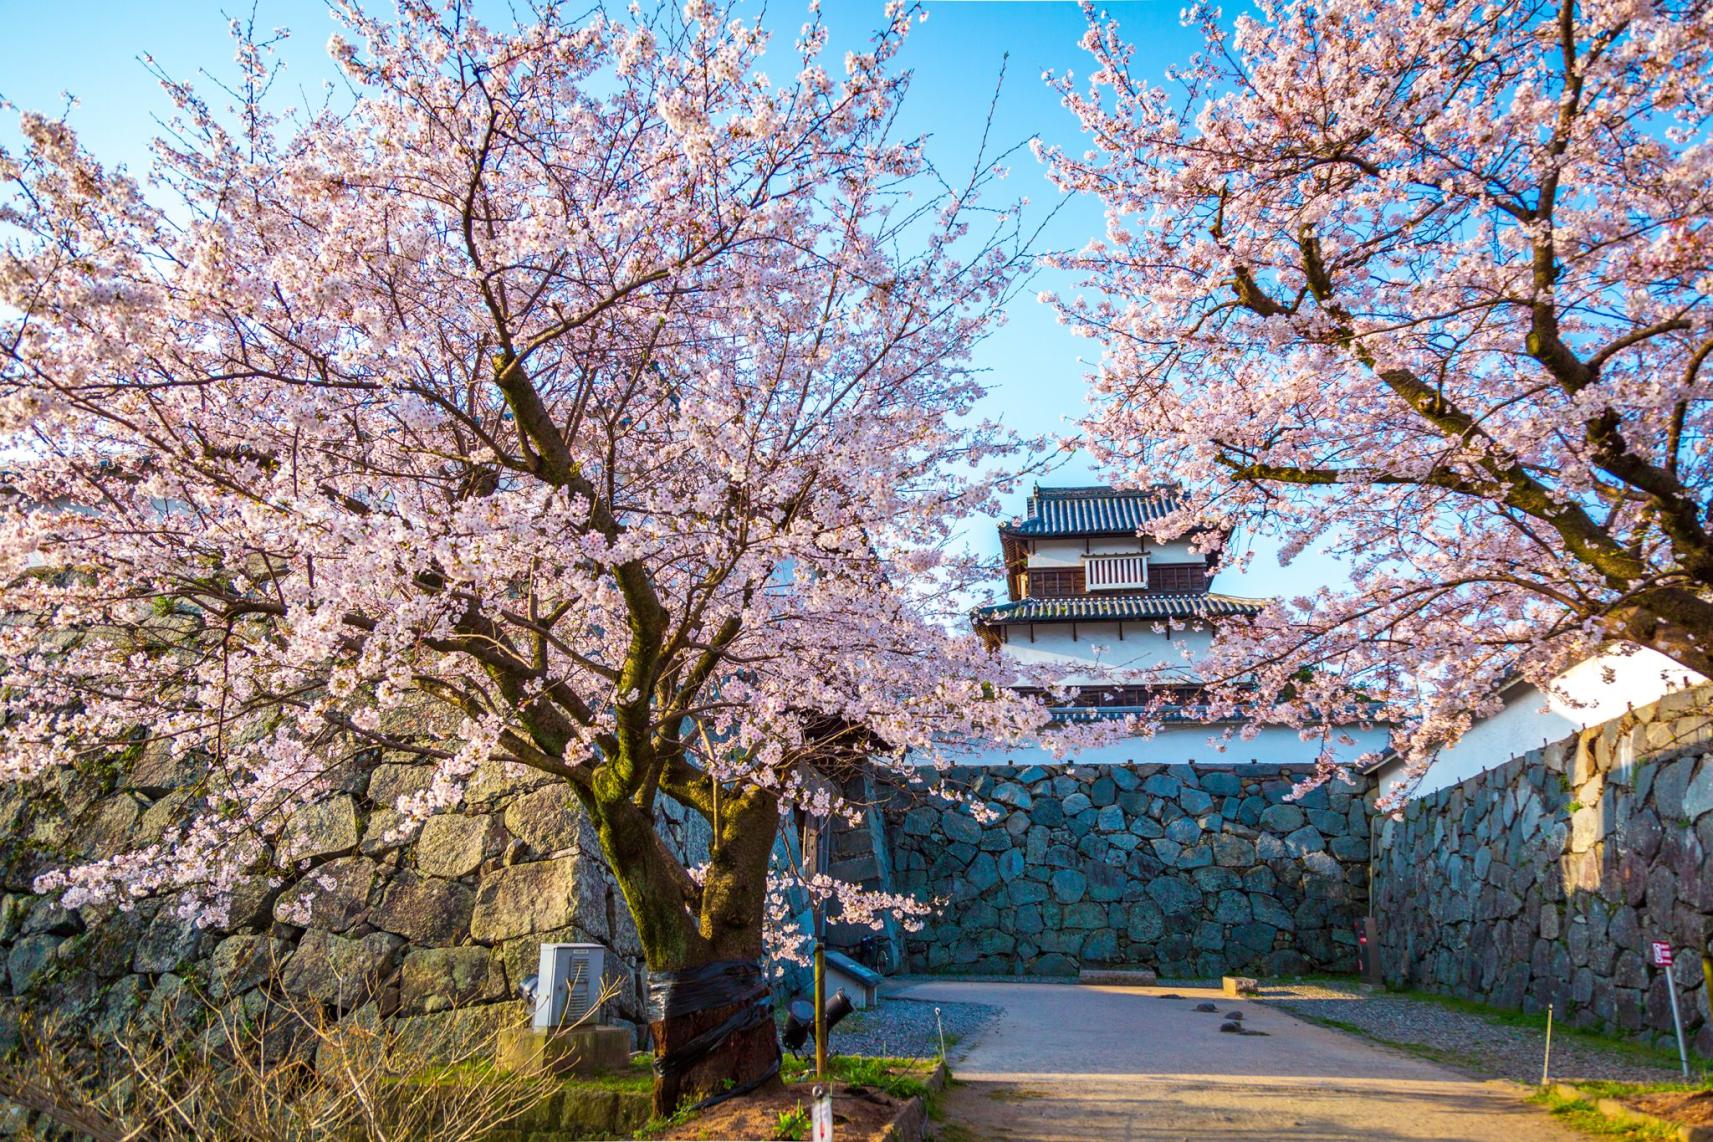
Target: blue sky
(91, 49)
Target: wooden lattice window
(1177, 578)
(1054, 583)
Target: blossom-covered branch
(1427, 287)
(577, 398)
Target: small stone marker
(1206, 1007)
(1231, 1025)
(1234, 1015)
(1239, 985)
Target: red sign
(1661, 954)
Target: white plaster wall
(1201, 745)
(1594, 691)
(1098, 643)
(1070, 552)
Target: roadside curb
(1618, 1112)
(910, 1124)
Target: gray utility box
(568, 985)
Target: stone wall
(441, 927)
(1192, 871)
(1543, 880)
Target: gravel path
(906, 1028)
(1070, 1064)
(1464, 1040)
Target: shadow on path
(1074, 1063)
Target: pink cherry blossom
(1426, 286)
(579, 399)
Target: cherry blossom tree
(1426, 285)
(571, 396)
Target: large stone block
(534, 897)
(333, 896)
(1282, 819)
(438, 979)
(326, 828)
(1174, 896)
(1233, 852)
(426, 910)
(243, 962)
(1232, 908)
(1069, 885)
(1194, 801)
(959, 826)
(389, 783)
(983, 872)
(1698, 794)
(920, 821)
(170, 941)
(1145, 922)
(1671, 782)
(1221, 783)
(29, 960)
(452, 845)
(1160, 785)
(339, 970)
(548, 820)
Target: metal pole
(1546, 1059)
(821, 1012)
(1677, 1020)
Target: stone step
(849, 842)
(1119, 977)
(854, 870)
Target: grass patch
(1583, 1115)
(1651, 1053)
(655, 1125)
(1536, 1021)
(1603, 1088)
(900, 1078)
(793, 1125)
(956, 1132)
(1451, 1058)
(637, 1078)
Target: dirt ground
(1073, 1063)
(1685, 1107)
(859, 1113)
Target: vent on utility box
(568, 984)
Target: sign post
(821, 1115)
(1660, 953)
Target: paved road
(1067, 1063)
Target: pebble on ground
(1464, 1039)
(905, 1028)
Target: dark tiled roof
(1110, 608)
(1091, 511)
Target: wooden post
(1707, 981)
(820, 1012)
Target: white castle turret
(1124, 617)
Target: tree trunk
(716, 927)
(748, 1060)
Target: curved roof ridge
(1116, 606)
